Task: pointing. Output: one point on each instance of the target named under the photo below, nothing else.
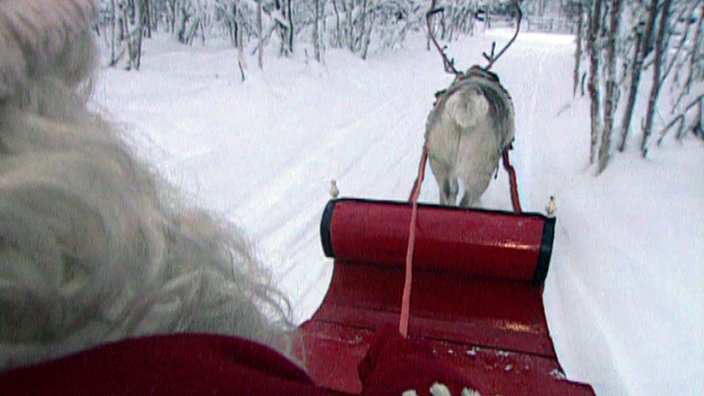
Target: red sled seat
(476, 295)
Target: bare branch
(680, 117)
(680, 44)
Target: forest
(628, 55)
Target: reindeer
(469, 128)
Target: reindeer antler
(493, 58)
(449, 64)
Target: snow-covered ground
(625, 292)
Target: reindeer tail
(468, 107)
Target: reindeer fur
(466, 133)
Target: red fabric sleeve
(395, 364)
(199, 364)
(183, 364)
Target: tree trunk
(323, 28)
(233, 25)
(657, 65)
(610, 97)
(147, 18)
(698, 127)
(289, 17)
(316, 33)
(643, 41)
(594, 92)
(113, 18)
(193, 29)
(338, 29)
(132, 27)
(635, 72)
(171, 16)
(349, 24)
(139, 31)
(367, 38)
(362, 28)
(260, 32)
(696, 43)
(577, 52)
(285, 26)
(183, 19)
(239, 37)
(154, 14)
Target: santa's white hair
(94, 246)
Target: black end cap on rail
(325, 225)
(541, 270)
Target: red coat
(206, 364)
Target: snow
(624, 296)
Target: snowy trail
(626, 268)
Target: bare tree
(358, 25)
(694, 69)
(147, 11)
(578, 52)
(260, 35)
(129, 17)
(339, 34)
(686, 112)
(283, 17)
(113, 32)
(316, 32)
(170, 15)
(610, 96)
(183, 14)
(593, 46)
(695, 126)
(695, 53)
(661, 36)
(641, 48)
(362, 28)
(657, 79)
(348, 8)
(239, 36)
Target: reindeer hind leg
(450, 189)
(475, 186)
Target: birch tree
(662, 37)
(577, 11)
(260, 35)
(611, 95)
(283, 17)
(594, 48)
(133, 27)
(642, 33)
(686, 60)
(657, 82)
(316, 31)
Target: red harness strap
(515, 200)
(406, 299)
(415, 193)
